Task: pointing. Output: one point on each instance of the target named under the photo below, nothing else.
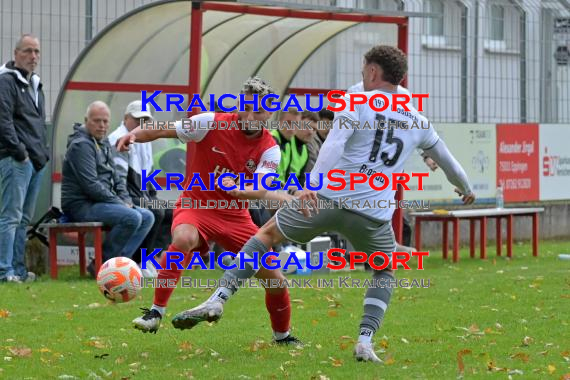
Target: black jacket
(22, 118)
(89, 173)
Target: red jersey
(225, 150)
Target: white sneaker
(209, 311)
(13, 278)
(364, 352)
(31, 277)
(150, 271)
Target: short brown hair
(313, 116)
(392, 60)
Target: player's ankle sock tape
(160, 309)
(376, 301)
(365, 335)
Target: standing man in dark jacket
(23, 154)
(93, 191)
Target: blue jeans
(129, 226)
(19, 187)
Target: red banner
(517, 161)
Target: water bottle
(499, 199)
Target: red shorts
(231, 230)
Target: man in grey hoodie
(93, 191)
(23, 154)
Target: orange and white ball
(119, 279)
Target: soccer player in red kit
(246, 149)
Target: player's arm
(452, 169)
(333, 147)
(195, 130)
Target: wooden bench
(481, 215)
(81, 229)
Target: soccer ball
(119, 279)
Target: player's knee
(271, 232)
(185, 239)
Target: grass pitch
(496, 318)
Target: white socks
(160, 309)
(365, 335)
(221, 295)
(280, 335)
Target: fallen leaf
(336, 362)
(405, 340)
(4, 313)
(566, 376)
(389, 359)
(258, 345)
(69, 315)
(383, 343)
(314, 322)
(96, 344)
(43, 350)
(332, 313)
(185, 346)
(318, 346)
(460, 363)
(94, 305)
(144, 355)
(120, 360)
(21, 352)
(551, 369)
(527, 340)
(521, 356)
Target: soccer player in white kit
(368, 229)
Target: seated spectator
(93, 191)
(130, 166)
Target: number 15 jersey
(376, 142)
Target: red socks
(162, 293)
(279, 308)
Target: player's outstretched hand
(466, 199)
(124, 142)
(229, 182)
(310, 196)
